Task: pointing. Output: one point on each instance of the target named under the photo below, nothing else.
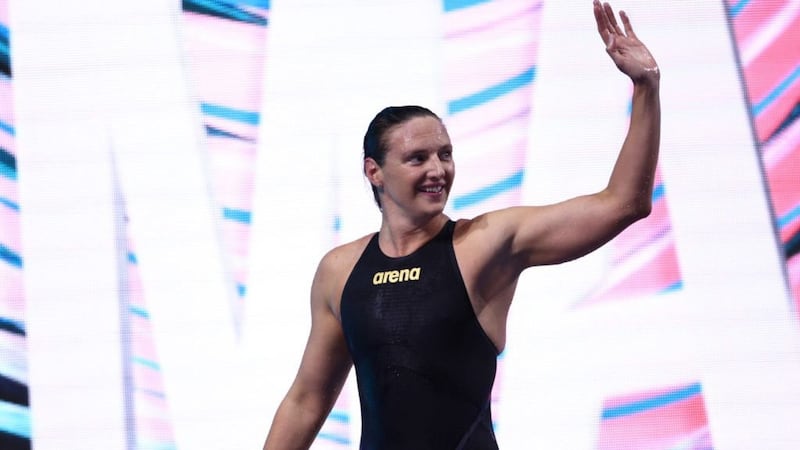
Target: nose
(436, 168)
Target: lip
(437, 197)
(424, 189)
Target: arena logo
(396, 276)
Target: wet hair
(375, 139)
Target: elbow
(631, 212)
(644, 210)
(628, 209)
(640, 205)
(639, 211)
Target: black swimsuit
(424, 365)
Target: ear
(373, 172)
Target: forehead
(418, 133)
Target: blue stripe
(492, 92)
(3, 31)
(132, 258)
(334, 438)
(9, 204)
(777, 92)
(793, 115)
(337, 223)
(488, 192)
(238, 215)
(9, 256)
(12, 326)
(452, 5)
(15, 419)
(141, 312)
(789, 217)
(8, 128)
(146, 362)
(652, 403)
(8, 172)
(676, 286)
(658, 192)
(238, 115)
(339, 416)
(241, 289)
(145, 444)
(224, 10)
(219, 132)
(257, 3)
(4, 51)
(737, 8)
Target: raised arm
(560, 232)
(323, 371)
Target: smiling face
(418, 169)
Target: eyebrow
(418, 150)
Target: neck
(400, 236)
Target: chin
(436, 209)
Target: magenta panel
(766, 35)
(225, 45)
(661, 419)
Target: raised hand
(625, 49)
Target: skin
(492, 249)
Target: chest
(400, 301)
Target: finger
(604, 25)
(611, 19)
(626, 22)
(602, 21)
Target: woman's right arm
(323, 370)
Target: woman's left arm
(567, 230)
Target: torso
(490, 293)
(413, 333)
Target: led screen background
(171, 173)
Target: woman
(420, 307)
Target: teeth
(432, 189)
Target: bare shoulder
(335, 268)
(493, 236)
(493, 227)
(490, 265)
(342, 258)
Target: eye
(446, 155)
(417, 158)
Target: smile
(432, 189)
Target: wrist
(650, 78)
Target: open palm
(626, 50)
